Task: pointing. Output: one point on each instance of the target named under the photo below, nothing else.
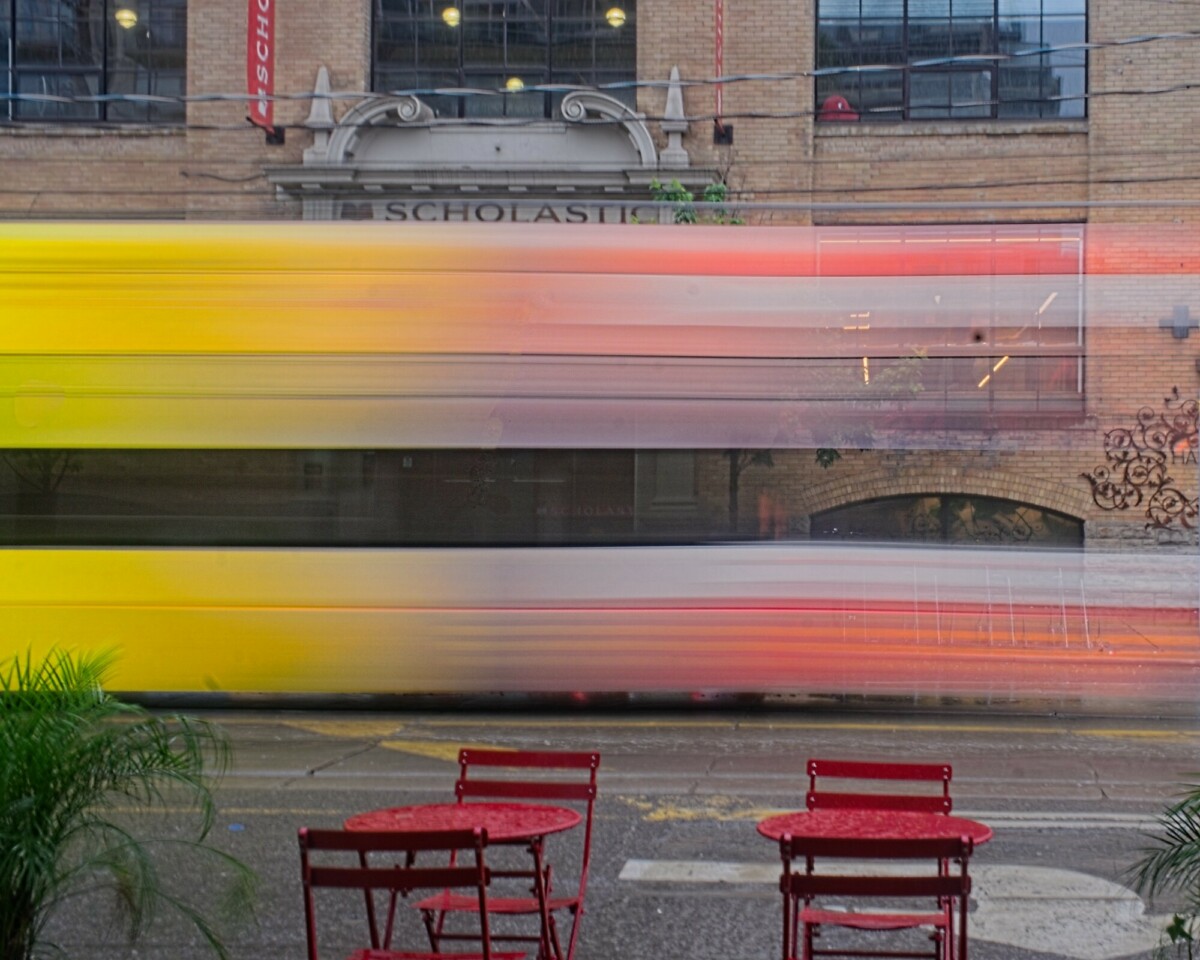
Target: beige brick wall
(961, 162)
(65, 170)
(1137, 144)
(227, 152)
(1136, 147)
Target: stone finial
(320, 117)
(674, 125)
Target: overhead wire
(725, 80)
(266, 191)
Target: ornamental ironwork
(1138, 471)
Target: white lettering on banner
(491, 211)
(260, 61)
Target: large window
(86, 50)
(965, 59)
(994, 329)
(504, 45)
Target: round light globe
(126, 17)
(514, 84)
(452, 16)
(615, 17)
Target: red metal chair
(819, 798)
(395, 880)
(536, 775)
(938, 894)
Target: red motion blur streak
(1110, 249)
(1042, 653)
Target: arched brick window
(949, 518)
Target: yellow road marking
(594, 723)
(371, 729)
(383, 728)
(715, 807)
(438, 750)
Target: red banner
(260, 63)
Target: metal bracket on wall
(1180, 322)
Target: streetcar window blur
(350, 497)
(450, 498)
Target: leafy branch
(714, 196)
(1173, 865)
(43, 470)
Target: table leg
(372, 923)
(545, 949)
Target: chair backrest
(546, 775)
(935, 881)
(819, 797)
(392, 878)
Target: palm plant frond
(70, 756)
(1172, 864)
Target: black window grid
(560, 39)
(154, 66)
(998, 105)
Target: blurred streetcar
(322, 459)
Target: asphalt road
(678, 869)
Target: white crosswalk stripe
(1065, 912)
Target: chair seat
(872, 921)
(369, 954)
(450, 902)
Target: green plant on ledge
(714, 195)
(78, 769)
(1173, 865)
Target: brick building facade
(798, 134)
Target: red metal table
(504, 822)
(509, 823)
(873, 825)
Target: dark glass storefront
(945, 518)
(464, 497)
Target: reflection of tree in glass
(983, 520)
(897, 380)
(926, 519)
(42, 470)
(739, 460)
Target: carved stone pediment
(396, 147)
(594, 131)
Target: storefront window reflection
(949, 519)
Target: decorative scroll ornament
(1139, 463)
